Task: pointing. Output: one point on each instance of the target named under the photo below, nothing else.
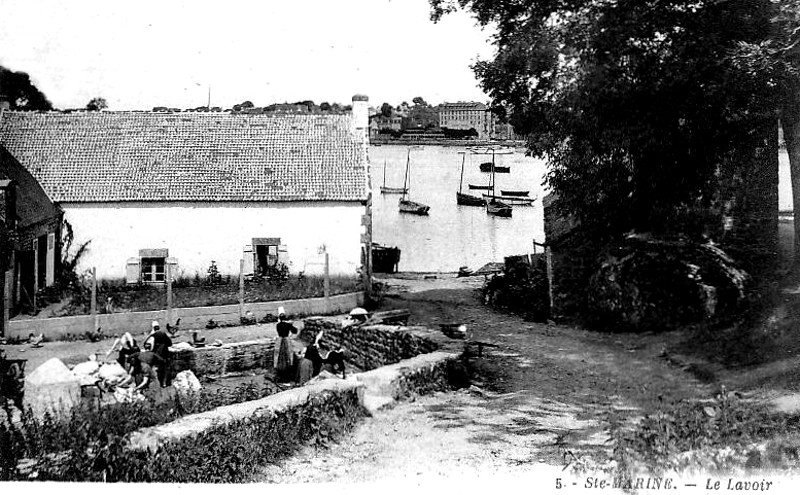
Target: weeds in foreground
(88, 427)
(723, 434)
(222, 454)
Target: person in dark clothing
(143, 366)
(312, 361)
(284, 357)
(159, 342)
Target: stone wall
(191, 318)
(237, 356)
(372, 346)
(269, 407)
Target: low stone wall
(419, 375)
(270, 407)
(416, 376)
(191, 318)
(227, 358)
(370, 347)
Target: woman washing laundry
(127, 347)
(284, 355)
(311, 362)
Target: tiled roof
(143, 156)
(33, 205)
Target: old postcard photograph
(436, 245)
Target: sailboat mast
(405, 178)
(492, 183)
(461, 180)
(384, 173)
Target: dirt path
(543, 392)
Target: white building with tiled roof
(151, 189)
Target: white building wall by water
(197, 233)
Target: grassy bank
(118, 296)
(90, 444)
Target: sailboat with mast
(390, 190)
(405, 204)
(463, 198)
(493, 205)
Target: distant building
(468, 115)
(383, 123)
(152, 190)
(421, 117)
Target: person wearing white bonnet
(284, 356)
(356, 317)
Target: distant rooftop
(145, 156)
(463, 105)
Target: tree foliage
(97, 103)
(386, 110)
(638, 105)
(419, 101)
(20, 92)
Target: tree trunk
(790, 121)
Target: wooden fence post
(93, 301)
(327, 284)
(168, 274)
(241, 289)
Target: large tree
(778, 56)
(638, 105)
(19, 91)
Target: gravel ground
(539, 400)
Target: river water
(452, 236)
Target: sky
(148, 53)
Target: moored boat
(391, 190)
(384, 258)
(405, 204)
(469, 200)
(487, 167)
(464, 198)
(506, 192)
(476, 186)
(511, 200)
(498, 208)
(493, 205)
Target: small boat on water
(384, 258)
(463, 198)
(493, 205)
(498, 208)
(390, 190)
(490, 150)
(412, 207)
(506, 192)
(469, 200)
(511, 200)
(405, 204)
(487, 167)
(476, 186)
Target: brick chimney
(361, 114)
